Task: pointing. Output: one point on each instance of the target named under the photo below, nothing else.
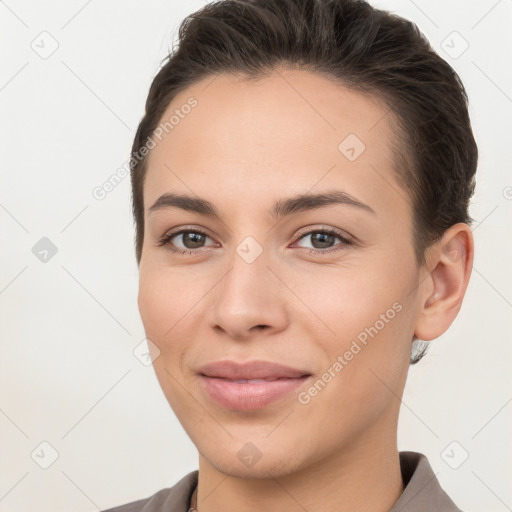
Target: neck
(365, 475)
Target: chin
(261, 470)
(246, 460)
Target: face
(325, 287)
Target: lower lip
(248, 396)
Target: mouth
(250, 386)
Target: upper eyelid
(181, 231)
(336, 231)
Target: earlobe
(445, 286)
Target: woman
(301, 181)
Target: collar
(422, 493)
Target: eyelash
(164, 242)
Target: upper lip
(250, 370)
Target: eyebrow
(282, 207)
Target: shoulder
(170, 499)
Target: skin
(243, 147)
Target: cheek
(152, 301)
(345, 300)
(164, 315)
(367, 362)
(362, 315)
(164, 301)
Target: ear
(443, 288)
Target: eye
(191, 240)
(322, 240)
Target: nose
(248, 300)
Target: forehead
(289, 131)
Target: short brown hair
(360, 47)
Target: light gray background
(69, 326)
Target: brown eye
(323, 241)
(186, 241)
(191, 239)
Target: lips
(249, 386)
(252, 370)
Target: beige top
(422, 492)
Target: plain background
(69, 325)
